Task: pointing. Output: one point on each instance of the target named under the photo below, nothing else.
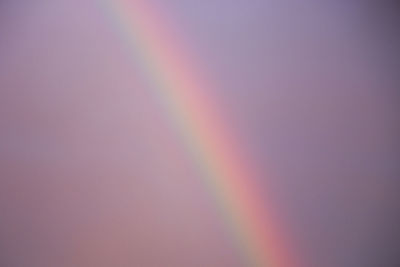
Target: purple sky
(91, 173)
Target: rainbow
(199, 122)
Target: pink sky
(92, 174)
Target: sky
(93, 172)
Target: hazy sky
(92, 172)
